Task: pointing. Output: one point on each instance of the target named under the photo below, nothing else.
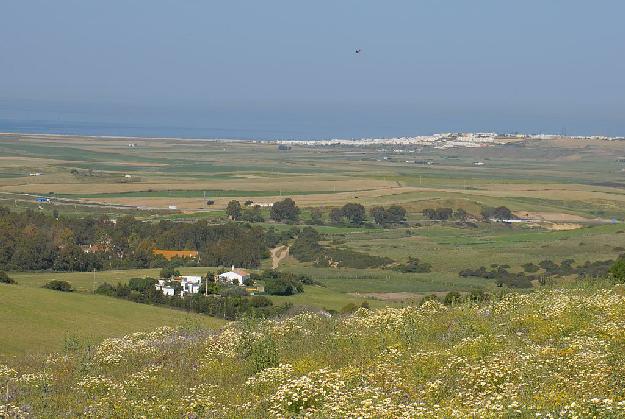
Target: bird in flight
(358, 50)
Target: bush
(105, 289)
(57, 285)
(414, 265)
(141, 284)
(282, 286)
(452, 298)
(617, 271)
(5, 279)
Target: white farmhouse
(190, 284)
(235, 276)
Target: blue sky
(288, 69)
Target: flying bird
(358, 50)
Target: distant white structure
(35, 174)
(172, 207)
(128, 176)
(264, 204)
(478, 163)
(235, 277)
(190, 284)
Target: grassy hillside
(550, 353)
(36, 320)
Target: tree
(502, 213)
(378, 214)
(233, 210)
(355, 213)
(284, 210)
(499, 213)
(5, 279)
(336, 216)
(396, 214)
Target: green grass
(36, 320)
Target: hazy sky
(288, 68)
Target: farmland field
(572, 192)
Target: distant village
(443, 140)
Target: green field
(37, 321)
(572, 189)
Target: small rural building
(171, 254)
(190, 284)
(235, 277)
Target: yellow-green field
(36, 321)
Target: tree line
(34, 241)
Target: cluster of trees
(502, 276)
(307, 248)
(222, 301)
(394, 214)
(413, 265)
(34, 241)
(499, 213)
(281, 211)
(282, 283)
(444, 214)
(349, 214)
(248, 212)
(354, 214)
(488, 213)
(548, 268)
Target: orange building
(171, 254)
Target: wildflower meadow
(549, 353)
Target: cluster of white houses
(190, 284)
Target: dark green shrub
(5, 279)
(58, 285)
